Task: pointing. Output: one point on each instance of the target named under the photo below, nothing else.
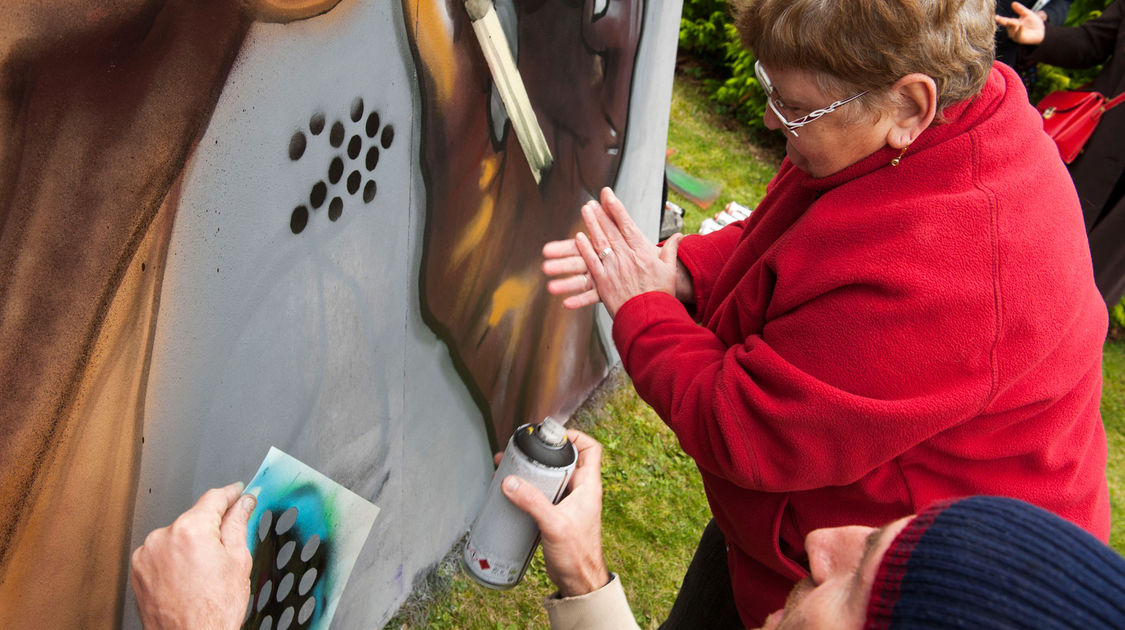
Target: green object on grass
(701, 192)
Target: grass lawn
(713, 147)
(654, 508)
(1113, 415)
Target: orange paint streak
(289, 10)
(433, 36)
(510, 296)
(477, 228)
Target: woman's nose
(771, 119)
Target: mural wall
(306, 224)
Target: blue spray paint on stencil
(305, 536)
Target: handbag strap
(1114, 102)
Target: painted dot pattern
(286, 619)
(310, 547)
(319, 192)
(265, 524)
(286, 554)
(297, 146)
(307, 581)
(264, 595)
(316, 124)
(299, 219)
(285, 521)
(288, 566)
(284, 587)
(356, 137)
(307, 610)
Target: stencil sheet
(305, 536)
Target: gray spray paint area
(313, 341)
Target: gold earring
(898, 159)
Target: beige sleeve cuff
(603, 609)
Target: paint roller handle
(477, 9)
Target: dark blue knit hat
(993, 562)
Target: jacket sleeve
(1080, 46)
(1056, 11)
(604, 609)
(860, 358)
(704, 255)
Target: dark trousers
(1107, 245)
(706, 599)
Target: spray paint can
(503, 538)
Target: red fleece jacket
(875, 340)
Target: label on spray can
(503, 538)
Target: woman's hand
(615, 262)
(1028, 28)
(561, 258)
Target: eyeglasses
(776, 104)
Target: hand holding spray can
(503, 538)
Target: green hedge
(1117, 319)
(727, 70)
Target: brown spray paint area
(522, 354)
(101, 105)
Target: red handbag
(1070, 117)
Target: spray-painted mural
(226, 226)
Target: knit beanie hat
(993, 562)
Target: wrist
(585, 587)
(592, 576)
(685, 287)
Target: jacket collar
(959, 117)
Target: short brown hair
(856, 45)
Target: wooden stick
(494, 45)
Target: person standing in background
(1007, 51)
(1099, 172)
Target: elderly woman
(906, 317)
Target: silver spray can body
(503, 538)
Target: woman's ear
(914, 110)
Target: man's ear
(914, 110)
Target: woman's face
(830, 143)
